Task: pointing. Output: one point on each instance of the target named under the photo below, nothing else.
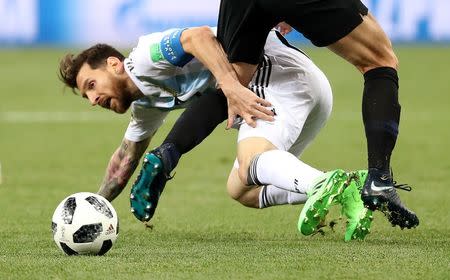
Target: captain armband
(173, 51)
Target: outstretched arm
(202, 43)
(121, 166)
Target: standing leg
(368, 48)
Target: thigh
(311, 128)
(322, 22)
(281, 133)
(242, 30)
(318, 116)
(300, 94)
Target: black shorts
(244, 24)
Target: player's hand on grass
(245, 103)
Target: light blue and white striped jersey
(167, 76)
(164, 73)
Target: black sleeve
(198, 121)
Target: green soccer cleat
(324, 194)
(144, 198)
(359, 218)
(152, 179)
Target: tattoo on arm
(121, 167)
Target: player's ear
(115, 64)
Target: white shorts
(302, 99)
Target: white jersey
(168, 77)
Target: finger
(263, 116)
(249, 120)
(231, 118)
(263, 102)
(264, 110)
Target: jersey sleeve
(165, 48)
(156, 61)
(144, 122)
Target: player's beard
(124, 97)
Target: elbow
(202, 33)
(194, 37)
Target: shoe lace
(169, 176)
(404, 187)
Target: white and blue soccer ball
(85, 224)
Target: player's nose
(93, 99)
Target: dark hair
(95, 56)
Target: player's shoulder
(157, 37)
(161, 47)
(147, 40)
(147, 52)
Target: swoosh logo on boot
(379, 189)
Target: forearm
(232, 79)
(121, 167)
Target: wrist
(228, 82)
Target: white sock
(271, 196)
(283, 170)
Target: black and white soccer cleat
(379, 193)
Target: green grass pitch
(53, 144)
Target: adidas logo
(110, 230)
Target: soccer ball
(85, 223)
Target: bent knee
(243, 175)
(246, 196)
(239, 195)
(232, 192)
(234, 185)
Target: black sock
(169, 156)
(198, 121)
(381, 115)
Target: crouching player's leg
(265, 176)
(268, 171)
(191, 128)
(256, 196)
(281, 178)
